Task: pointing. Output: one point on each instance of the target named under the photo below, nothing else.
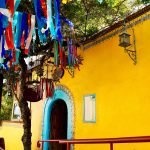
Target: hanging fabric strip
(44, 7)
(68, 22)
(71, 52)
(4, 20)
(3, 46)
(3, 4)
(29, 21)
(41, 21)
(8, 56)
(56, 53)
(14, 55)
(47, 88)
(14, 27)
(50, 22)
(1, 29)
(9, 36)
(51, 89)
(30, 34)
(24, 26)
(18, 31)
(41, 88)
(5, 65)
(16, 2)
(23, 40)
(6, 13)
(1, 49)
(17, 56)
(10, 5)
(75, 54)
(57, 20)
(60, 55)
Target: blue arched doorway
(61, 93)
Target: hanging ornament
(58, 74)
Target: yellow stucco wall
(122, 95)
(121, 88)
(12, 133)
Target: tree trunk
(1, 87)
(25, 111)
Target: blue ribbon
(57, 20)
(3, 46)
(24, 25)
(41, 21)
(3, 4)
(3, 22)
(6, 66)
(68, 22)
(51, 23)
(18, 30)
(4, 19)
(17, 4)
(14, 26)
(9, 52)
(17, 57)
(1, 29)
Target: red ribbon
(22, 41)
(10, 40)
(60, 55)
(49, 88)
(9, 36)
(44, 7)
(65, 60)
(10, 62)
(10, 4)
(26, 51)
(29, 21)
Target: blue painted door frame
(62, 93)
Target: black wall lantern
(124, 41)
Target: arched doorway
(58, 124)
(61, 95)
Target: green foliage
(145, 1)
(89, 16)
(6, 109)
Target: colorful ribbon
(3, 4)
(41, 21)
(50, 23)
(10, 4)
(30, 34)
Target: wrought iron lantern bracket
(124, 41)
(132, 55)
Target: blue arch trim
(62, 93)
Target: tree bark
(1, 87)
(25, 111)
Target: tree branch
(15, 94)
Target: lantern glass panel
(124, 40)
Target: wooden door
(58, 123)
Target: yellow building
(109, 97)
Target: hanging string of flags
(17, 29)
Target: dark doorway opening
(58, 124)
